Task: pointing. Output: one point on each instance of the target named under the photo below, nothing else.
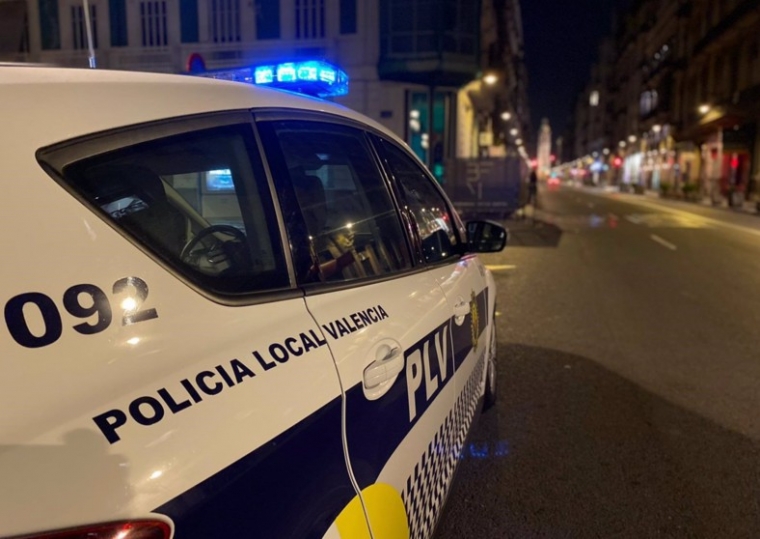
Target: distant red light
(734, 161)
(617, 162)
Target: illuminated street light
(704, 109)
(606, 151)
(490, 79)
(621, 144)
(632, 139)
(519, 141)
(513, 131)
(656, 128)
(506, 116)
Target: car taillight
(138, 529)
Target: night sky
(561, 43)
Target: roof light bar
(313, 77)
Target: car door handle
(461, 310)
(384, 369)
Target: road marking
(500, 267)
(664, 243)
(621, 197)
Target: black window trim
(459, 253)
(57, 156)
(407, 221)
(266, 115)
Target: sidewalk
(746, 217)
(747, 207)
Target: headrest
(311, 198)
(111, 182)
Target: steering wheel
(224, 229)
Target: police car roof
(44, 105)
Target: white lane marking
(664, 243)
(500, 267)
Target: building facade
(686, 99)
(494, 117)
(406, 60)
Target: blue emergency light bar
(314, 77)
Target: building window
(427, 26)
(79, 27)
(224, 20)
(705, 83)
(153, 23)
(188, 21)
(347, 16)
(648, 102)
(460, 24)
(24, 45)
(118, 18)
(14, 27)
(310, 19)
(49, 25)
(268, 19)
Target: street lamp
(704, 109)
(490, 79)
(513, 131)
(606, 151)
(621, 144)
(519, 142)
(506, 116)
(632, 139)
(656, 128)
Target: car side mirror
(486, 237)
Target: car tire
(491, 391)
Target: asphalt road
(629, 377)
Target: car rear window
(199, 201)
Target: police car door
(461, 277)
(182, 350)
(386, 320)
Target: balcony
(744, 16)
(429, 42)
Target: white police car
(229, 312)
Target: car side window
(195, 201)
(353, 228)
(436, 226)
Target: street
(629, 377)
